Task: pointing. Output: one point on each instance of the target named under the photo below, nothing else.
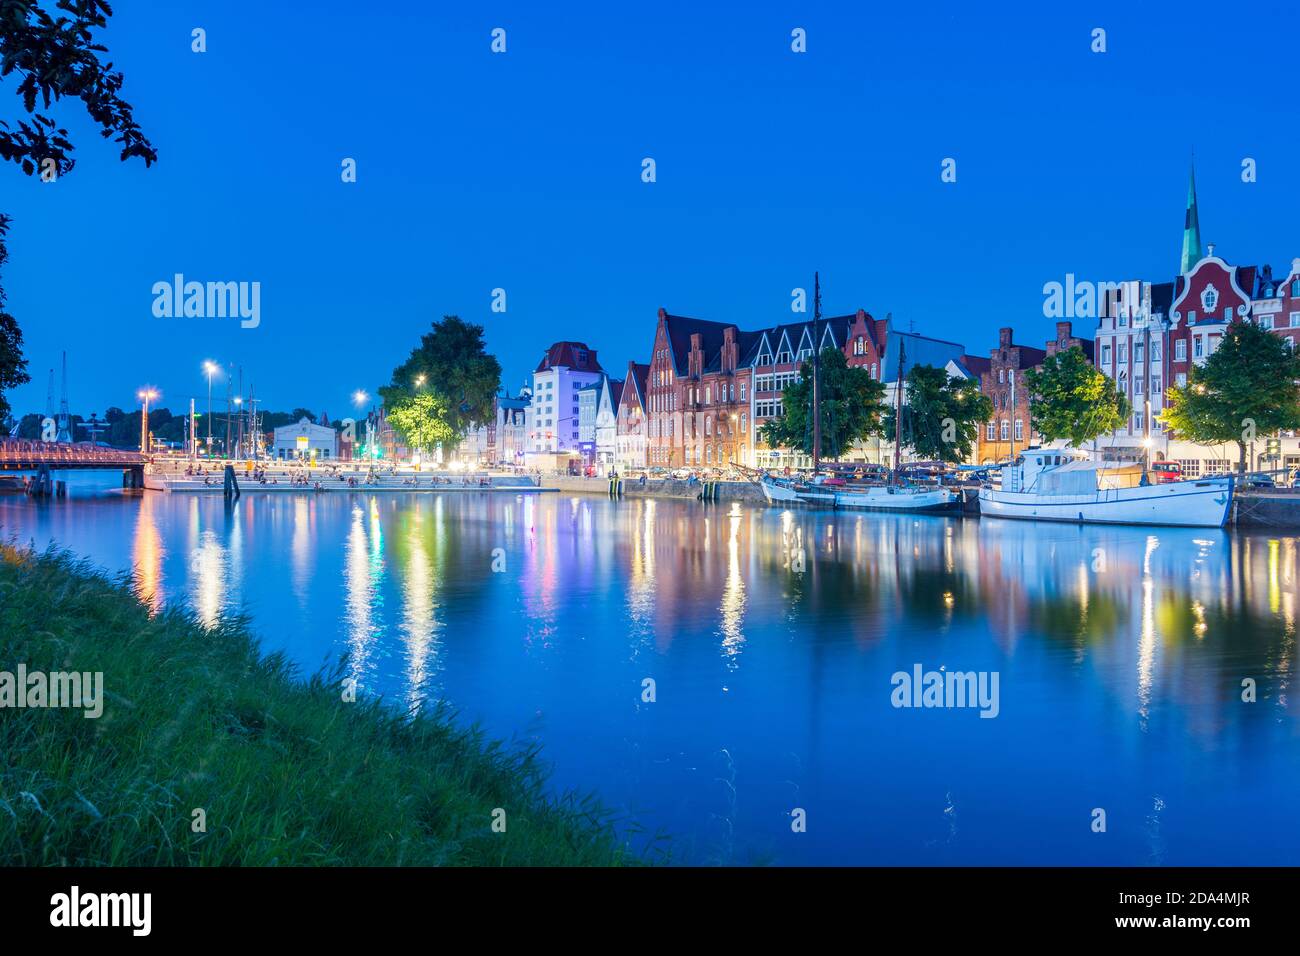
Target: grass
(287, 773)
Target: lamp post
(145, 395)
(209, 367)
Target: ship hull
(899, 499)
(1196, 504)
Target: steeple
(1191, 229)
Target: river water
(769, 641)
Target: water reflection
(771, 636)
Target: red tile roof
(574, 355)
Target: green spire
(1191, 229)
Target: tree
(451, 365)
(422, 422)
(13, 367)
(1070, 399)
(55, 57)
(850, 407)
(942, 415)
(1247, 386)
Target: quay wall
(657, 488)
(1268, 509)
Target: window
(742, 391)
(990, 431)
(859, 346)
(708, 394)
(1191, 317)
(1181, 379)
(1020, 429)
(708, 425)
(1180, 350)
(1006, 429)
(1155, 351)
(744, 422)
(1295, 319)
(1227, 313)
(1105, 355)
(874, 373)
(1123, 354)
(1137, 385)
(1001, 380)
(1198, 347)
(1138, 357)
(1155, 385)
(1295, 288)
(1265, 321)
(1011, 376)
(1191, 467)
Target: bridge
(45, 457)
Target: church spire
(1191, 229)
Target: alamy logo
(208, 300)
(102, 909)
(923, 688)
(53, 689)
(1075, 300)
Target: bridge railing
(23, 450)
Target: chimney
(1210, 247)
(1063, 331)
(1004, 337)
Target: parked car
(1258, 480)
(1166, 471)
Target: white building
(552, 416)
(306, 442)
(609, 394)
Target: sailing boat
(833, 492)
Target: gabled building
(631, 438)
(608, 396)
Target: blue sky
(522, 171)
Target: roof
(574, 355)
(974, 364)
(680, 328)
(615, 391)
(917, 350)
(637, 378)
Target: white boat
(917, 498)
(920, 498)
(1055, 484)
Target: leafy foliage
(452, 365)
(850, 408)
(13, 367)
(1070, 399)
(1247, 386)
(422, 422)
(942, 415)
(55, 57)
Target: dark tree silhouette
(51, 50)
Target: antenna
(65, 428)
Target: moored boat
(1053, 484)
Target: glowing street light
(360, 397)
(146, 394)
(210, 368)
(419, 381)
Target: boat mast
(816, 382)
(898, 407)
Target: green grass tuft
(288, 774)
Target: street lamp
(146, 395)
(209, 367)
(419, 381)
